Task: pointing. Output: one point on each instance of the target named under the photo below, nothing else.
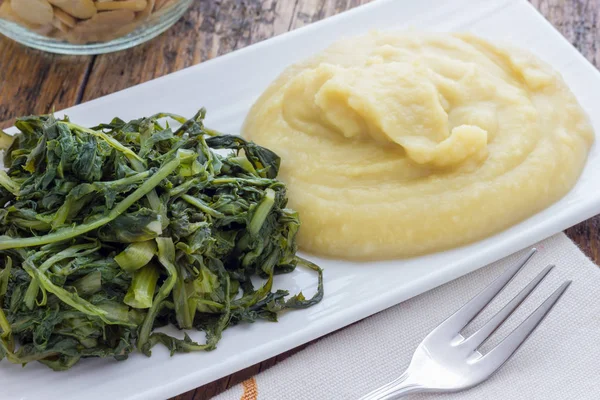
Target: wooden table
(32, 82)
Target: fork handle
(397, 388)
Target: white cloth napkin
(561, 360)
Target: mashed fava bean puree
(399, 144)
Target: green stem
(261, 293)
(175, 117)
(71, 252)
(185, 307)
(152, 196)
(299, 302)
(127, 180)
(261, 212)
(202, 206)
(211, 303)
(142, 287)
(72, 299)
(177, 345)
(166, 256)
(177, 190)
(224, 319)
(245, 181)
(245, 164)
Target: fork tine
(483, 333)
(466, 313)
(501, 353)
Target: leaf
(136, 255)
(141, 291)
(88, 165)
(138, 226)
(8, 183)
(6, 140)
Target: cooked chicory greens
(110, 232)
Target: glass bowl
(155, 24)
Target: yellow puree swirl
(399, 144)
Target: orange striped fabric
(250, 390)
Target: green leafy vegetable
(109, 232)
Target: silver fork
(446, 361)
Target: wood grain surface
(33, 82)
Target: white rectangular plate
(227, 86)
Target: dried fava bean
(142, 15)
(82, 9)
(61, 26)
(134, 5)
(38, 12)
(7, 13)
(113, 18)
(65, 18)
(101, 27)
